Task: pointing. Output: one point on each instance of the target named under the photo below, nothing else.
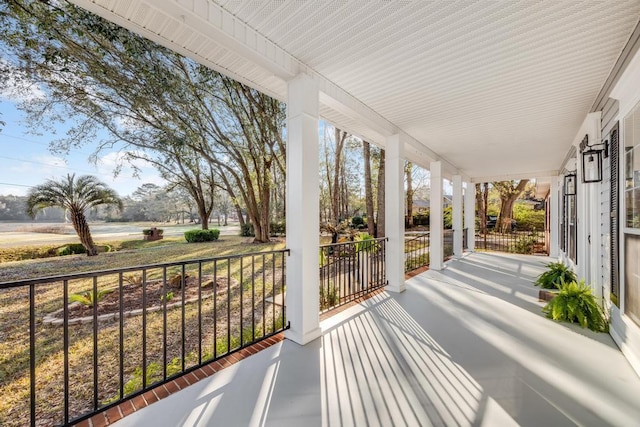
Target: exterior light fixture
(592, 159)
(570, 184)
(592, 166)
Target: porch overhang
(489, 89)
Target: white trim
(618, 318)
(627, 89)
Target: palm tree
(76, 196)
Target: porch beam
(436, 240)
(303, 210)
(394, 212)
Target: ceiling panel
(494, 87)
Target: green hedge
(196, 236)
(22, 253)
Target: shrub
(175, 281)
(278, 228)
(556, 274)
(576, 303)
(246, 230)
(365, 242)
(328, 297)
(525, 244)
(133, 279)
(357, 221)
(196, 236)
(88, 298)
(72, 249)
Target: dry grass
(14, 308)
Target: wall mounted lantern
(570, 184)
(592, 156)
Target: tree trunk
(204, 216)
(81, 227)
(380, 228)
(508, 196)
(368, 193)
(335, 201)
(408, 170)
(481, 209)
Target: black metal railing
(351, 270)
(465, 239)
(152, 323)
(416, 251)
(447, 244)
(520, 242)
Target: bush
(555, 276)
(357, 222)
(277, 228)
(525, 244)
(529, 218)
(72, 249)
(88, 298)
(576, 303)
(246, 230)
(196, 236)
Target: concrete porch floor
(466, 346)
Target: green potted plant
(556, 274)
(576, 304)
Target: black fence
(520, 242)
(351, 270)
(81, 343)
(416, 251)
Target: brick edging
(158, 393)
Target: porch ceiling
(492, 88)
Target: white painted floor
(467, 346)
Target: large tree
(368, 188)
(408, 170)
(76, 196)
(509, 192)
(200, 128)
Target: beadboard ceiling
(492, 88)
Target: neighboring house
(423, 205)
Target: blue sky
(25, 159)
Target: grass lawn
(14, 326)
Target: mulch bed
(154, 291)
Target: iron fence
(131, 329)
(447, 244)
(351, 270)
(416, 252)
(521, 242)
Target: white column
(435, 218)
(470, 215)
(554, 218)
(394, 212)
(303, 223)
(457, 216)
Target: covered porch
(467, 345)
